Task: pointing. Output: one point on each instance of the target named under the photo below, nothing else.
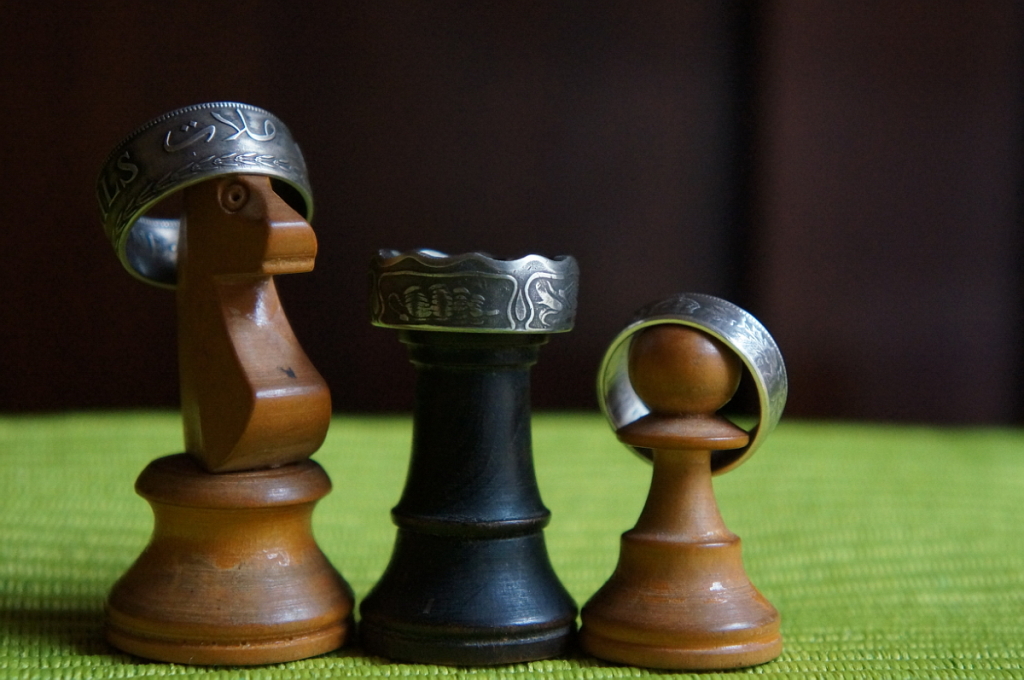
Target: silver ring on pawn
(735, 327)
(473, 293)
(181, 148)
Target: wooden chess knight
(680, 597)
(232, 574)
(250, 396)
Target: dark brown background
(849, 172)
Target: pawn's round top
(684, 376)
(473, 293)
(680, 370)
(735, 328)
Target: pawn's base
(232, 575)
(682, 606)
(712, 658)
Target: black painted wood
(469, 581)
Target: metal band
(182, 148)
(473, 293)
(737, 328)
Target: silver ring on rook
(181, 148)
(473, 293)
(735, 327)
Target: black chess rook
(470, 581)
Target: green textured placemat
(891, 552)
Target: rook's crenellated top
(473, 293)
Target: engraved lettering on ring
(176, 150)
(111, 184)
(440, 302)
(473, 292)
(123, 163)
(268, 128)
(208, 132)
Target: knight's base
(232, 575)
(248, 653)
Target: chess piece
(469, 581)
(680, 597)
(250, 397)
(232, 574)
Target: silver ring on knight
(181, 148)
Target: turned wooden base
(232, 574)
(680, 606)
(674, 658)
(680, 597)
(248, 653)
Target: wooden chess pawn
(680, 597)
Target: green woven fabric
(891, 552)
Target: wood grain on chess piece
(232, 574)
(680, 597)
(250, 396)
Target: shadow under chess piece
(680, 597)
(232, 574)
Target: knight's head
(237, 226)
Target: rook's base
(473, 602)
(500, 647)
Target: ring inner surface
(152, 249)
